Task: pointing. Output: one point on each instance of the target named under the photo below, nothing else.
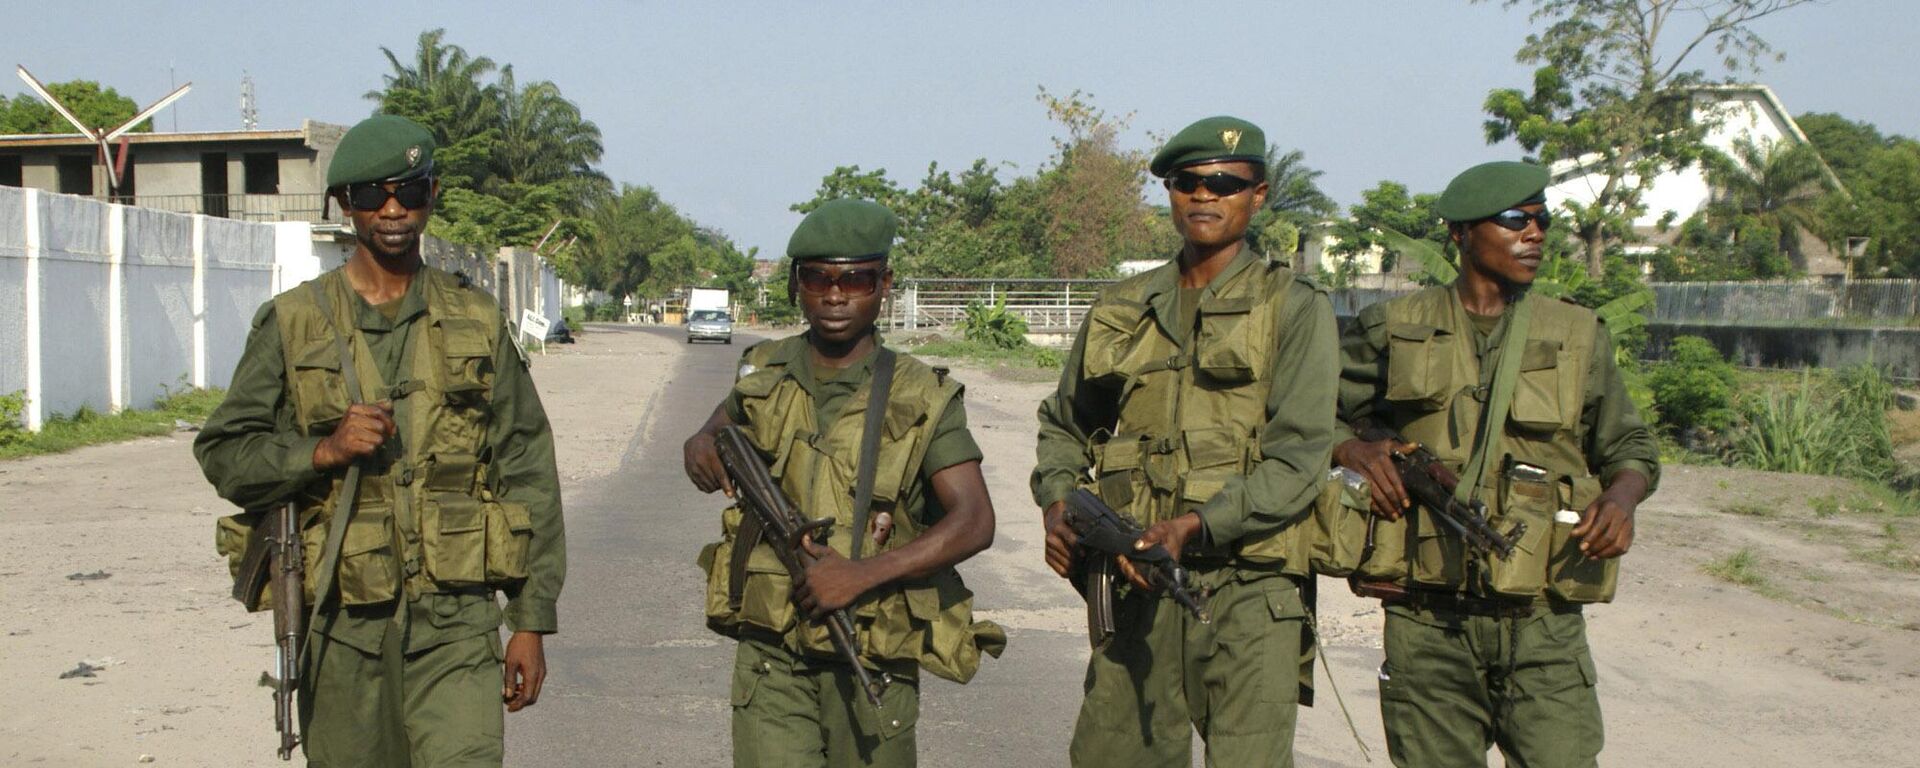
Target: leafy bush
(994, 326)
(1839, 429)
(1694, 386)
(12, 407)
(574, 316)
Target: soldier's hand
(1606, 527)
(703, 464)
(1063, 546)
(1375, 461)
(364, 428)
(525, 669)
(1172, 534)
(831, 583)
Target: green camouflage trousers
(794, 712)
(435, 708)
(1454, 685)
(1236, 680)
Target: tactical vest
(1436, 390)
(425, 518)
(1190, 420)
(926, 622)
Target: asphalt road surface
(636, 678)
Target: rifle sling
(1493, 422)
(877, 391)
(349, 488)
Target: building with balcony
(262, 175)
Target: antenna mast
(249, 113)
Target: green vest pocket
(1340, 517)
(1420, 365)
(1573, 576)
(369, 571)
(1544, 392)
(1524, 573)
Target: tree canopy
(518, 163)
(1614, 88)
(100, 108)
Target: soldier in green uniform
(387, 400)
(808, 401)
(1198, 399)
(1484, 651)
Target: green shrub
(1837, 429)
(574, 316)
(994, 326)
(13, 430)
(1694, 386)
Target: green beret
(844, 230)
(1213, 140)
(1489, 188)
(381, 148)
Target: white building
(1734, 113)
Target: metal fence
(1864, 303)
(1058, 305)
(1046, 305)
(299, 207)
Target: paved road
(637, 679)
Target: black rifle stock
(783, 528)
(1432, 484)
(274, 565)
(1104, 533)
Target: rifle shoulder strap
(875, 416)
(1493, 421)
(350, 487)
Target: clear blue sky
(734, 111)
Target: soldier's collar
(1169, 281)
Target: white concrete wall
(110, 307)
(159, 304)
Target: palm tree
(443, 87)
(543, 137)
(1780, 186)
(1293, 189)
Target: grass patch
(1748, 509)
(1742, 568)
(89, 427)
(984, 354)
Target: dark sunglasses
(413, 194)
(1516, 219)
(853, 282)
(1222, 184)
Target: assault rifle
(275, 566)
(772, 516)
(1432, 484)
(1104, 533)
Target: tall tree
(1614, 89)
(98, 107)
(1096, 216)
(543, 137)
(1778, 186)
(1293, 189)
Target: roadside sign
(534, 326)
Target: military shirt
(1294, 442)
(253, 455)
(951, 442)
(1614, 436)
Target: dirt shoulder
(1809, 666)
(173, 647)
